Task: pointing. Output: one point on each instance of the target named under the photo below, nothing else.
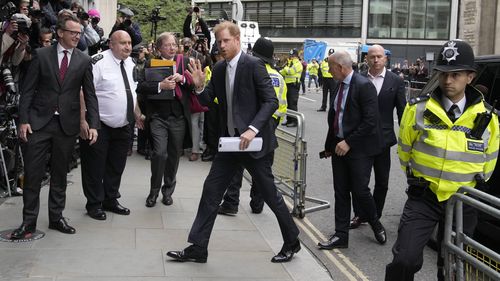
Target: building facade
(409, 28)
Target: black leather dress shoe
(22, 232)
(334, 242)
(379, 232)
(192, 253)
(117, 209)
(97, 214)
(151, 200)
(167, 200)
(321, 109)
(356, 222)
(286, 253)
(62, 226)
(207, 157)
(223, 210)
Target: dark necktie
(451, 113)
(340, 97)
(64, 66)
(130, 101)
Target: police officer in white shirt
(103, 162)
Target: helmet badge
(451, 52)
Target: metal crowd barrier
(413, 88)
(466, 258)
(289, 168)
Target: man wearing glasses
(49, 117)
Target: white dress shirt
(378, 80)
(110, 89)
(447, 103)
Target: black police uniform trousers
(421, 214)
(224, 167)
(103, 164)
(329, 86)
(292, 99)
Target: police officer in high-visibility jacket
(263, 49)
(442, 147)
(329, 84)
(292, 72)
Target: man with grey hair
(352, 141)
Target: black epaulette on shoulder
(96, 58)
(418, 99)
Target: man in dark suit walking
(352, 142)
(49, 117)
(247, 101)
(391, 94)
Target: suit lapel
(386, 84)
(55, 64)
(237, 78)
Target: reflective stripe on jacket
(280, 89)
(440, 151)
(292, 71)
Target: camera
(155, 15)
(196, 9)
(95, 21)
(36, 14)
(23, 24)
(7, 9)
(83, 15)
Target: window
(428, 19)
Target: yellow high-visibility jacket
(324, 69)
(292, 71)
(441, 151)
(313, 68)
(280, 89)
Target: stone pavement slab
(132, 248)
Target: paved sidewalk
(132, 248)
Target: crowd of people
(186, 93)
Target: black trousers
(292, 99)
(211, 128)
(224, 167)
(329, 85)
(381, 169)
(102, 165)
(232, 195)
(50, 139)
(420, 216)
(167, 137)
(351, 176)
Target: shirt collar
(382, 74)
(60, 49)
(347, 80)
(117, 60)
(448, 103)
(234, 60)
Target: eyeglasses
(169, 46)
(73, 33)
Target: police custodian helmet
(455, 55)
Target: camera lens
(8, 80)
(196, 9)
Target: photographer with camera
(201, 28)
(124, 22)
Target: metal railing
(466, 258)
(289, 168)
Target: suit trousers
(381, 169)
(102, 165)
(49, 139)
(292, 99)
(420, 216)
(351, 176)
(167, 137)
(232, 195)
(224, 167)
(329, 85)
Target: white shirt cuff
(159, 88)
(199, 91)
(253, 129)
